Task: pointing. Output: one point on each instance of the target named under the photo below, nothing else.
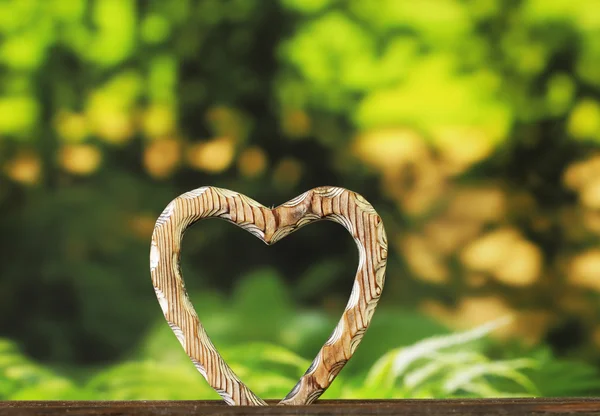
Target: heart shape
(270, 225)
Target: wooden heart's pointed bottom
(345, 207)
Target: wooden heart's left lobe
(270, 225)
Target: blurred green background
(472, 126)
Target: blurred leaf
(318, 278)
(262, 306)
(114, 38)
(306, 6)
(150, 381)
(18, 115)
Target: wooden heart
(270, 225)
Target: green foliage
(555, 378)
(142, 380)
(21, 379)
(439, 365)
(448, 366)
(462, 122)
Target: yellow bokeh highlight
(583, 177)
(287, 173)
(487, 252)
(471, 312)
(425, 262)
(158, 121)
(110, 108)
(506, 255)
(25, 50)
(227, 122)
(579, 174)
(584, 269)
(560, 92)
(252, 162)
(295, 123)
(483, 204)
(80, 159)
(522, 266)
(71, 127)
(161, 157)
(584, 121)
(410, 173)
(142, 225)
(18, 114)
(389, 149)
(446, 235)
(109, 119)
(591, 220)
(590, 194)
(212, 156)
(461, 147)
(155, 28)
(25, 168)
(115, 34)
(433, 96)
(528, 326)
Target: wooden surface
(513, 407)
(269, 225)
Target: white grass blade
(428, 346)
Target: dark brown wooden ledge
(513, 407)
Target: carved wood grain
(345, 207)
